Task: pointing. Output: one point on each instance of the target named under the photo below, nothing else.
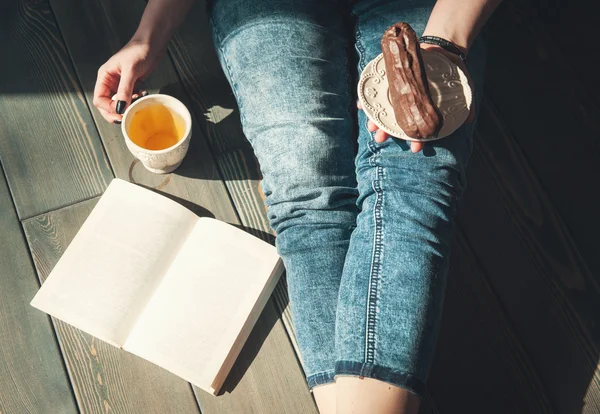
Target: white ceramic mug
(165, 160)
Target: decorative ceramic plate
(448, 86)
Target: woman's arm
(459, 21)
(160, 20)
(138, 58)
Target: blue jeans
(364, 232)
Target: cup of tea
(157, 130)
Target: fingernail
(116, 121)
(144, 93)
(121, 107)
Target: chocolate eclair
(409, 92)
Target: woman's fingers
(125, 90)
(104, 103)
(371, 126)
(416, 146)
(381, 136)
(105, 84)
(109, 81)
(109, 116)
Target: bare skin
(353, 395)
(325, 396)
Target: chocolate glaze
(409, 92)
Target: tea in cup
(157, 130)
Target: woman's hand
(134, 62)
(139, 57)
(416, 146)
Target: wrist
(460, 41)
(156, 27)
(444, 44)
(160, 20)
(155, 36)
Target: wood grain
(551, 114)
(105, 378)
(534, 265)
(575, 42)
(275, 398)
(33, 378)
(49, 146)
(197, 183)
(480, 365)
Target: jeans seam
(320, 378)
(398, 377)
(375, 271)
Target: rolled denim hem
(320, 378)
(395, 377)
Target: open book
(147, 275)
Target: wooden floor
(521, 331)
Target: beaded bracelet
(444, 44)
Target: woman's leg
(287, 63)
(394, 277)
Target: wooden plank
(33, 378)
(276, 397)
(427, 405)
(534, 265)
(480, 365)
(107, 25)
(213, 102)
(105, 379)
(48, 143)
(575, 42)
(554, 118)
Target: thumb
(125, 91)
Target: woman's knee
(296, 195)
(286, 61)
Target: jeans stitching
(320, 378)
(399, 377)
(375, 273)
(377, 242)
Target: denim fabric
(364, 230)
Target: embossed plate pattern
(448, 85)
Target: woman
(365, 235)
